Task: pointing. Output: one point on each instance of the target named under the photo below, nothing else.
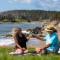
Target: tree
(11, 18)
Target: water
(7, 27)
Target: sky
(52, 5)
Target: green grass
(4, 55)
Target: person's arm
(24, 36)
(16, 42)
(28, 38)
(46, 46)
(40, 37)
(49, 42)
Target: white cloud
(23, 1)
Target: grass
(4, 55)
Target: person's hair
(53, 29)
(16, 31)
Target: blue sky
(53, 5)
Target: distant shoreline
(19, 22)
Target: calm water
(7, 27)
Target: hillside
(28, 15)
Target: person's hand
(19, 51)
(41, 50)
(26, 51)
(38, 50)
(23, 49)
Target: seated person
(20, 41)
(52, 41)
